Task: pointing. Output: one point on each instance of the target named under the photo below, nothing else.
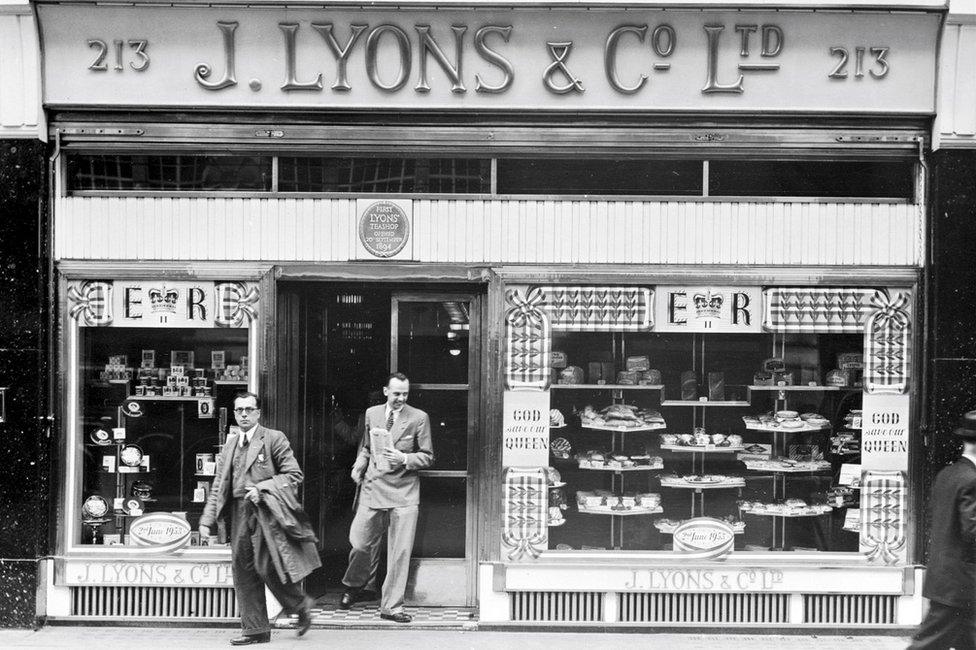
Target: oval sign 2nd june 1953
(384, 228)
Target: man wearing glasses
(389, 498)
(250, 461)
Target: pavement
(173, 638)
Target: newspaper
(379, 441)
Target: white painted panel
(965, 92)
(19, 76)
(956, 121)
(477, 232)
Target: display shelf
(730, 482)
(556, 524)
(653, 427)
(711, 403)
(558, 426)
(131, 470)
(606, 386)
(805, 428)
(639, 468)
(166, 398)
(230, 382)
(621, 513)
(794, 515)
(799, 389)
(702, 449)
(119, 381)
(767, 466)
(668, 529)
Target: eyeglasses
(246, 409)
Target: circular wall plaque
(384, 229)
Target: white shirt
(396, 414)
(245, 437)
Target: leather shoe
(248, 639)
(397, 617)
(349, 598)
(304, 620)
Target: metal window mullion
(704, 178)
(274, 174)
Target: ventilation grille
(850, 609)
(154, 602)
(704, 608)
(557, 606)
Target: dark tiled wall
(952, 307)
(24, 487)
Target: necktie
(389, 421)
(246, 441)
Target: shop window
(155, 406)
(812, 178)
(600, 177)
(179, 173)
(385, 175)
(655, 428)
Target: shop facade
(656, 272)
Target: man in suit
(255, 455)
(950, 581)
(389, 497)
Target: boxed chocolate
(638, 363)
(689, 385)
(627, 377)
(716, 386)
(558, 359)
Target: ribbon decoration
(887, 340)
(599, 309)
(91, 303)
(529, 340)
(235, 302)
(883, 499)
(525, 530)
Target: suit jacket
(401, 486)
(268, 455)
(951, 575)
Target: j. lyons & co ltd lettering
(153, 573)
(703, 580)
(389, 69)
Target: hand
(357, 474)
(251, 494)
(204, 531)
(395, 456)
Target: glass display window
(156, 369)
(666, 405)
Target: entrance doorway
(337, 344)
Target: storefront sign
(684, 576)
(136, 573)
(489, 58)
(384, 228)
(162, 303)
(163, 532)
(708, 309)
(705, 538)
(884, 433)
(525, 428)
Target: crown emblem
(708, 305)
(162, 300)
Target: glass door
(435, 342)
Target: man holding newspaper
(396, 445)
